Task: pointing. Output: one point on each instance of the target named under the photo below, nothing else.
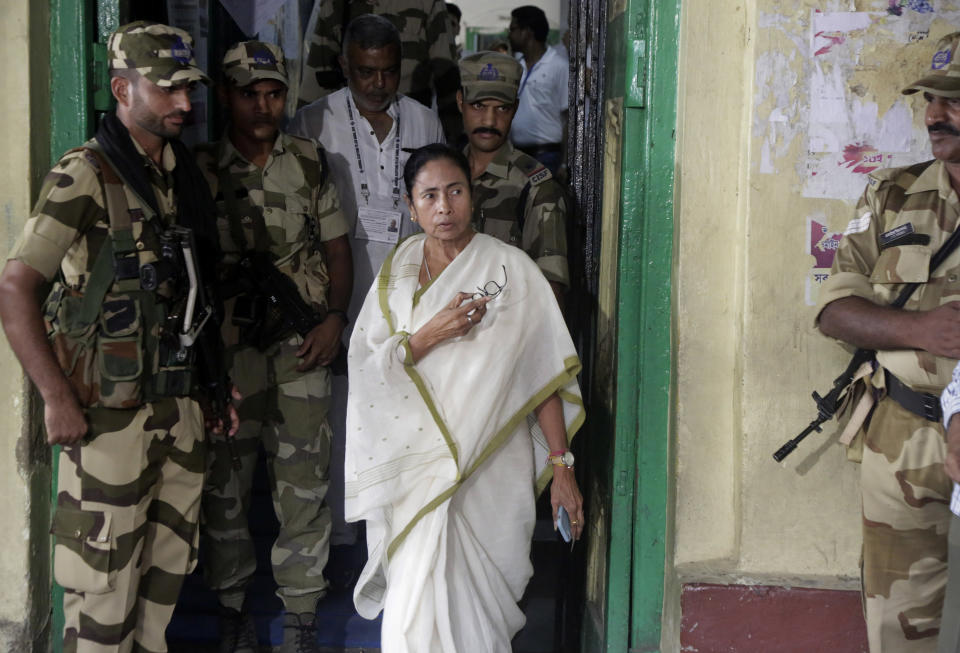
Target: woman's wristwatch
(562, 457)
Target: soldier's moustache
(488, 130)
(943, 127)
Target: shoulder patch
(539, 175)
(858, 225)
(883, 174)
(535, 171)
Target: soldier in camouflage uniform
(904, 216)
(273, 196)
(515, 198)
(115, 377)
(429, 54)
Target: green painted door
(79, 86)
(631, 488)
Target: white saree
(444, 457)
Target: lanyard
(526, 77)
(364, 188)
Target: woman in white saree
(459, 403)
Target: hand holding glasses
(490, 289)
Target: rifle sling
(922, 404)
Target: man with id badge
(368, 131)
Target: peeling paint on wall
(849, 67)
(827, 104)
(847, 137)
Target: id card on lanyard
(364, 186)
(379, 225)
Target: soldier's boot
(238, 634)
(299, 633)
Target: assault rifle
(829, 404)
(200, 322)
(281, 310)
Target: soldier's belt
(922, 404)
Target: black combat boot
(238, 634)
(299, 633)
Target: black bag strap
(935, 261)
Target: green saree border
(572, 367)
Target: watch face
(567, 458)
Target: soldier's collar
(942, 180)
(499, 166)
(168, 160)
(228, 153)
(930, 179)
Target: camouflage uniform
(903, 483)
(428, 51)
(516, 198)
(129, 493)
(539, 227)
(284, 208)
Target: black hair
(534, 18)
(433, 152)
(369, 31)
(454, 11)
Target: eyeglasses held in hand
(491, 288)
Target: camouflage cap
(944, 77)
(490, 75)
(162, 54)
(252, 61)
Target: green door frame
(71, 36)
(642, 464)
(78, 78)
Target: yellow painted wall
(748, 356)
(24, 465)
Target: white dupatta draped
(444, 457)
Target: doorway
(562, 576)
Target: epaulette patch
(539, 175)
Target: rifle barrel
(790, 445)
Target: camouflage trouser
(906, 495)
(287, 412)
(126, 524)
(949, 641)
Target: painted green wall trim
(71, 35)
(645, 325)
(620, 481)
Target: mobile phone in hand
(563, 524)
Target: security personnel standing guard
(515, 198)
(277, 210)
(117, 227)
(904, 216)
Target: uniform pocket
(82, 554)
(120, 352)
(74, 344)
(903, 264)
